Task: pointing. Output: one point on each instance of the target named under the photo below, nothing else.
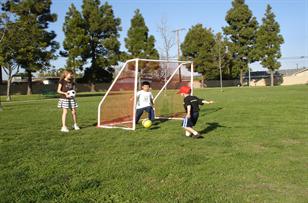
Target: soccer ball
(71, 93)
(147, 123)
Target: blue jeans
(148, 109)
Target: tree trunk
(1, 109)
(272, 78)
(29, 90)
(93, 67)
(8, 89)
(180, 74)
(202, 81)
(241, 77)
(1, 81)
(92, 87)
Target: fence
(39, 88)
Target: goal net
(117, 108)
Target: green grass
(255, 149)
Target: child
(66, 102)
(191, 105)
(144, 102)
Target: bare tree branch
(167, 37)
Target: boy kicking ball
(191, 105)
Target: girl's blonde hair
(65, 73)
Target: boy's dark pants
(148, 109)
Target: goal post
(117, 108)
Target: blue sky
(292, 16)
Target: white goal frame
(180, 64)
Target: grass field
(255, 149)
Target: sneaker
(188, 134)
(197, 136)
(64, 130)
(76, 127)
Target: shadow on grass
(211, 126)
(89, 125)
(160, 121)
(207, 111)
(156, 123)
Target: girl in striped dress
(66, 102)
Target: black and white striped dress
(67, 103)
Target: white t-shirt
(144, 99)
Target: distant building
(49, 80)
(281, 77)
(298, 77)
(19, 79)
(289, 72)
(261, 78)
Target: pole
(248, 76)
(135, 94)
(220, 72)
(1, 80)
(177, 32)
(178, 44)
(192, 78)
(1, 109)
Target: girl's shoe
(64, 129)
(76, 127)
(188, 134)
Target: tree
(224, 55)
(36, 45)
(138, 42)
(198, 47)
(269, 41)
(76, 40)
(167, 44)
(52, 72)
(102, 32)
(241, 30)
(8, 48)
(8, 62)
(2, 34)
(167, 39)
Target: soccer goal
(118, 106)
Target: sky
(292, 15)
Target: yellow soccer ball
(147, 123)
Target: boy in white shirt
(144, 102)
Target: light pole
(177, 31)
(219, 62)
(1, 109)
(249, 76)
